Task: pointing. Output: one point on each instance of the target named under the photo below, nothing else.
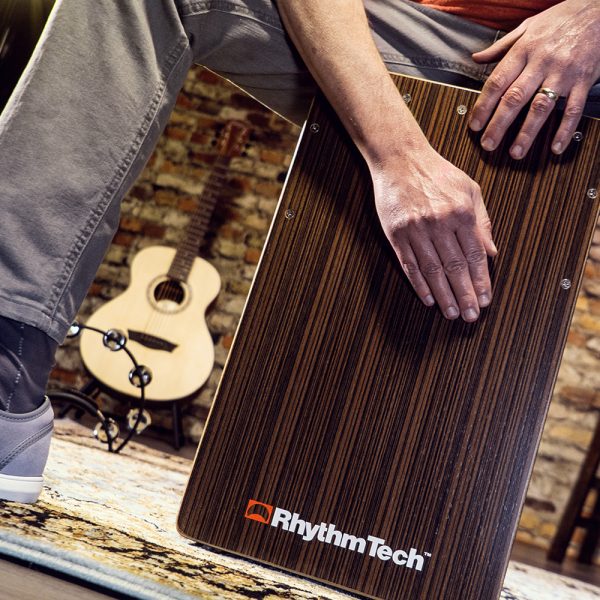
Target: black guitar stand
(93, 388)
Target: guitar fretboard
(196, 231)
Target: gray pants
(98, 91)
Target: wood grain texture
(347, 401)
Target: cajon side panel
(348, 402)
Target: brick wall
(158, 208)
(572, 416)
(160, 204)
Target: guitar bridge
(151, 341)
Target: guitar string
(173, 287)
(200, 220)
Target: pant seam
(19, 374)
(194, 8)
(433, 62)
(72, 258)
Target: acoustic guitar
(162, 311)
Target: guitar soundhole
(169, 295)
(169, 290)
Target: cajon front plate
(391, 448)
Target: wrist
(388, 131)
(398, 141)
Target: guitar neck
(196, 231)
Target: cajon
(359, 438)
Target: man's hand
(557, 49)
(434, 217)
(431, 212)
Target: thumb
(499, 48)
(484, 225)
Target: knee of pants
(253, 51)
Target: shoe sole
(20, 489)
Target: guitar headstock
(233, 139)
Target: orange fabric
(499, 14)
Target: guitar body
(164, 322)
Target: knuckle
(514, 97)
(542, 105)
(496, 82)
(527, 135)
(561, 57)
(456, 265)
(431, 268)
(486, 223)
(415, 230)
(412, 222)
(528, 48)
(476, 256)
(580, 71)
(397, 234)
(467, 299)
(410, 268)
(430, 219)
(464, 215)
(574, 111)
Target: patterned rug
(109, 520)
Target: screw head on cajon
(359, 438)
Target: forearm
(425, 204)
(334, 40)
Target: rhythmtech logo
(328, 534)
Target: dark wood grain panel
(347, 401)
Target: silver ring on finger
(549, 93)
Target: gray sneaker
(24, 446)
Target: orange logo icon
(258, 511)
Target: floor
(536, 557)
(21, 582)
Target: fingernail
(557, 147)
(475, 124)
(488, 144)
(517, 151)
(494, 247)
(452, 312)
(484, 300)
(470, 314)
(429, 300)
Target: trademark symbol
(427, 554)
